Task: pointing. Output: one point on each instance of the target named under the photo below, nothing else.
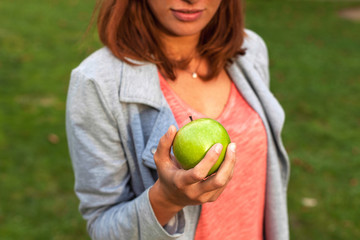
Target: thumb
(165, 143)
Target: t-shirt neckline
(187, 107)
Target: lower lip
(185, 16)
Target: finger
(208, 196)
(200, 171)
(166, 141)
(225, 172)
(230, 158)
(216, 194)
(164, 146)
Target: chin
(186, 33)
(183, 31)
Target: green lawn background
(315, 72)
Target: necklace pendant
(194, 75)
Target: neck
(179, 48)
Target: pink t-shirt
(239, 211)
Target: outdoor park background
(315, 72)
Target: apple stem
(191, 118)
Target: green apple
(193, 140)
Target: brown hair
(129, 30)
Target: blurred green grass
(315, 71)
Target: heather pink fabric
(239, 211)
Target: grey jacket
(115, 116)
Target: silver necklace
(194, 73)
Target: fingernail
(232, 147)
(218, 148)
(169, 131)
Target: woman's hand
(177, 188)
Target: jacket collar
(140, 84)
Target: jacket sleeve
(101, 172)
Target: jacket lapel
(164, 120)
(245, 89)
(140, 84)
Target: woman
(164, 60)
